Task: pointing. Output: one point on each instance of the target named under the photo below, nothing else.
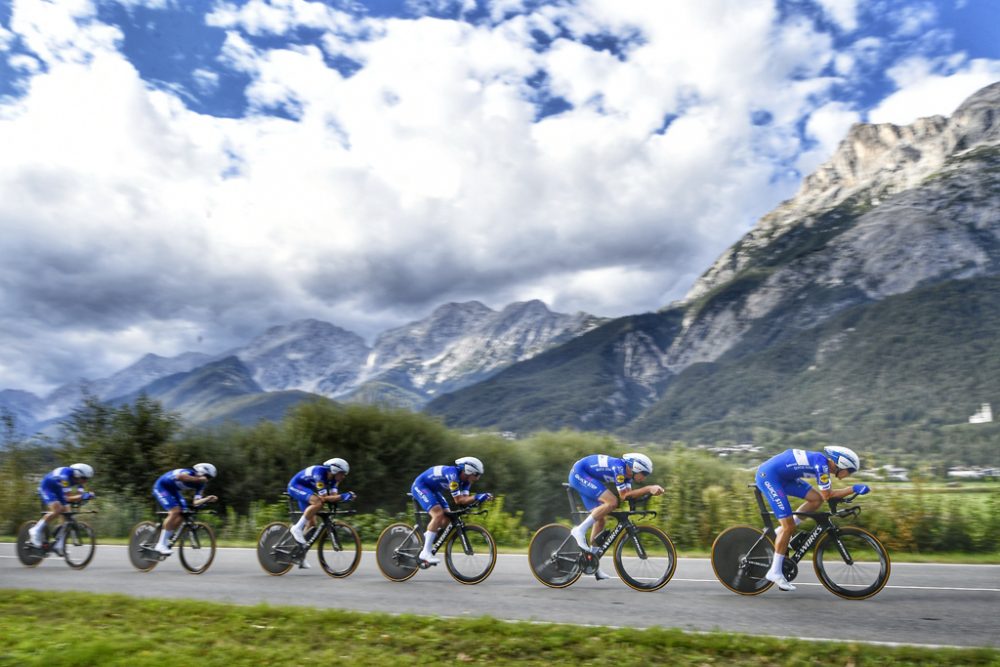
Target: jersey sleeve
(822, 471)
(319, 481)
(621, 483)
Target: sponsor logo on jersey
(620, 479)
(320, 486)
(64, 483)
(824, 478)
(774, 496)
(453, 486)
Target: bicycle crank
(790, 569)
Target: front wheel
(140, 543)
(80, 545)
(276, 548)
(851, 563)
(26, 553)
(554, 556)
(339, 553)
(470, 554)
(741, 556)
(646, 559)
(197, 548)
(397, 551)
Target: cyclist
(312, 487)
(53, 490)
(591, 476)
(167, 491)
(430, 489)
(782, 476)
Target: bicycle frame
(324, 516)
(824, 524)
(456, 522)
(623, 517)
(187, 527)
(69, 518)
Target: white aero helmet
(844, 457)
(206, 469)
(82, 470)
(639, 462)
(337, 465)
(470, 465)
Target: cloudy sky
(182, 174)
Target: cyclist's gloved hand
(861, 489)
(347, 496)
(483, 497)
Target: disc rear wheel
(397, 551)
(741, 556)
(276, 548)
(554, 556)
(142, 538)
(27, 554)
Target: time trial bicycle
(470, 552)
(338, 544)
(849, 561)
(644, 557)
(78, 543)
(195, 542)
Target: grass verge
(84, 629)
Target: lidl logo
(620, 479)
(824, 479)
(453, 486)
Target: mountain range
(870, 299)
(867, 302)
(456, 345)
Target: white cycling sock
(429, 538)
(301, 524)
(777, 565)
(165, 537)
(580, 532)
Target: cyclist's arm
(830, 494)
(653, 489)
(464, 499)
(201, 500)
(76, 496)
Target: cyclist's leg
(170, 500)
(54, 498)
(597, 499)
(432, 503)
(309, 504)
(777, 493)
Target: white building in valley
(983, 416)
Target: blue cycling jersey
(53, 486)
(792, 464)
(607, 469)
(316, 479)
(441, 480)
(169, 481)
(781, 476)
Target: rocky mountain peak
(871, 164)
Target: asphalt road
(923, 604)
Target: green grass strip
(42, 628)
